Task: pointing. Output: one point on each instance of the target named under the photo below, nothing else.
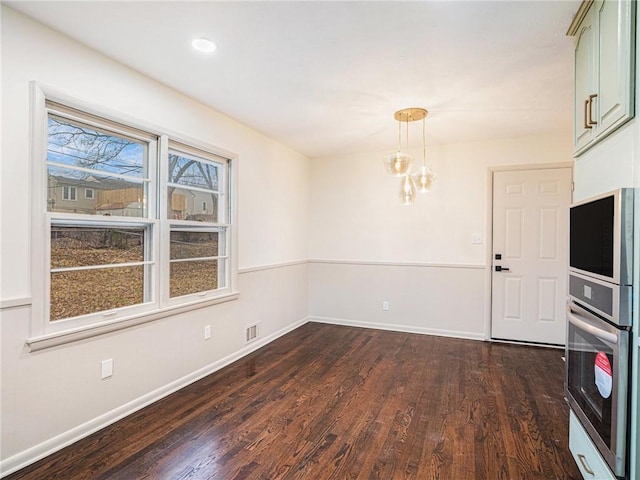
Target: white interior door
(530, 243)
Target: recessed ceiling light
(204, 45)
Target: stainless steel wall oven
(599, 320)
(597, 383)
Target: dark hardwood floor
(331, 402)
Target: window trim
(92, 196)
(44, 333)
(49, 340)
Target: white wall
(53, 396)
(366, 247)
(356, 212)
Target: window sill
(69, 336)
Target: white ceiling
(326, 77)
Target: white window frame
(45, 333)
(92, 196)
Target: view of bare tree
(90, 148)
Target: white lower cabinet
(591, 464)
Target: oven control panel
(611, 301)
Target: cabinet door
(614, 104)
(585, 80)
(586, 455)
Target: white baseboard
(399, 328)
(33, 454)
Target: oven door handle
(608, 337)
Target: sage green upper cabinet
(604, 69)
(584, 82)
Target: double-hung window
(197, 217)
(101, 257)
(150, 234)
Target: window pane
(84, 246)
(193, 277)
(189, 171)
(78, 145)
(185, 204)
(110, 195)
(88, 291)
(193, 245)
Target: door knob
(501, 269)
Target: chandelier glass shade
(399, 163)
(424, 179)
(407, 190)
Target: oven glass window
(591, 380)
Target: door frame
(488, 278)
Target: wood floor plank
(328, 402)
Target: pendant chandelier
(399, 164)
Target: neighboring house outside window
(135, 243)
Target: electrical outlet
(385, 305)
(476, 238)
(107, 368)
(207, 332)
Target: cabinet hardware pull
(591, 97)
(586, 107)
(584, 463)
